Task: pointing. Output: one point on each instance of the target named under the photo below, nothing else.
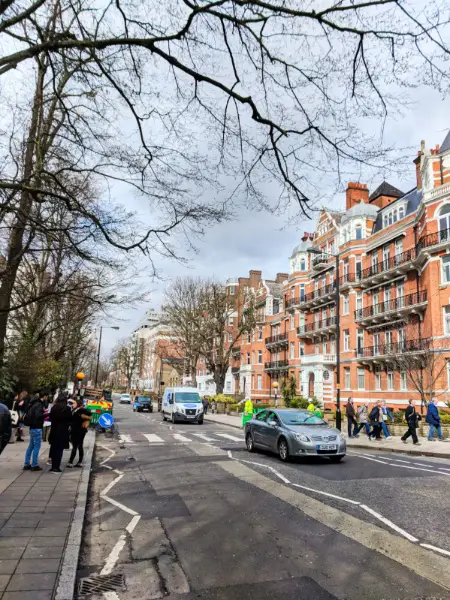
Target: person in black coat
(5, 426)
(60, 418)
(412, 418)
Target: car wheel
(163, 416)
(336, 458)
(283, 450)
(200, 421)
(249, 442)
(173, 418)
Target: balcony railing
(319, 261)
(276, 365)
(433, 239)
(387, 264)
(394, 348)
(398, 304)
(316, 325)
(308, 359)
(349, 278)
(235, 370)
(280, 339)
(321, 292)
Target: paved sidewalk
(426, 448)
(36, 512)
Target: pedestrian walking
(34, 419)
(23, 400)
(78, 429)
(434, 421)
(412, 419)
(47, 401)
(363, 418)
(351, 419)
(311, 407)
(375, 419)
(213, 407)
(5, 426)
(386, 413)
(60, 418)
(205, 405)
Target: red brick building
(394, 278)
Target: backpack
(29, 415)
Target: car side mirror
(273, 423)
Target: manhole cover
(101, 583)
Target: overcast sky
(258, 240)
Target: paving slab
(23, 582)
(38, 565)
(8, 566)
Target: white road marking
(114, 555)
(389, 523)
(110, 596)
(230, 437)
(132, 524)
(153, 438)
(111, 485)
(430, 547)
(181, 438)
(204, 437)
(125, 438)
(392, 464)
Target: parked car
(125, 399)
(291, 432)
(142, 403)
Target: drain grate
(101, 583)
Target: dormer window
(302, 264)
(401, 213)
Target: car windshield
(125, 395)
(143, 399)
(187, 397)
(292, 417)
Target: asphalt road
(184, 511)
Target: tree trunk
(219, 380)
(17, 230)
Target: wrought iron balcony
(236, 351)
(347, 279)
(430, 240)
(323, 294)
(391, 308)
(277, 365)
(320, 261)
(384, 269)
(390, 350)
(235, 370)
(317, 327)
(280, 339)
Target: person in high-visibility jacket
(311, 407)
(249, 406)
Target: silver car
(292, 432)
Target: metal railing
(349, 278)
(321, 259)
(325, 290)
(433, 239)
(396, 304)
(316, 325)
(281, 338)
(393, 348)
(235, 370)
(278, 364)
(389, 263)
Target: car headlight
(300, 437)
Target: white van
(182, 404)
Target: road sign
(106, 420)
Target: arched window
(401, 213)
(444, 222)
(358, 232)
(394, 216)
(385, 221)
(302, 264)
(390, 218)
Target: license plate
(190, 416)
(327, 447)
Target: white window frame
(445, 268)
(260, 333)
(260, 357)
(359, 227)
(404, 381)
(292, 350)
(292, 321)
(378, 379)
(446, 310)
(259, 382)
(347, 378)
(345, 304)
(361, 373)
(390, 380)
(346, 340)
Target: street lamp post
(338, 334)
(98, 350)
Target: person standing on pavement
(412, 418)
(23, 400)
(386, 415)
(34, 419)
(5, 426)
(60, 418)
(434, 420)
(78, 429)
(205, 405)
(376, 418)
(351, 419)
(213, 406)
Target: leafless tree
(126, 357)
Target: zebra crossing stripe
(125, 438)
(204, 437)
(230, 437)
(153, 438)
(181, 438)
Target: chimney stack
(356, 193)
(417, 161)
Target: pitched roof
(386, 189)
(445, 144)
(413, 198)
